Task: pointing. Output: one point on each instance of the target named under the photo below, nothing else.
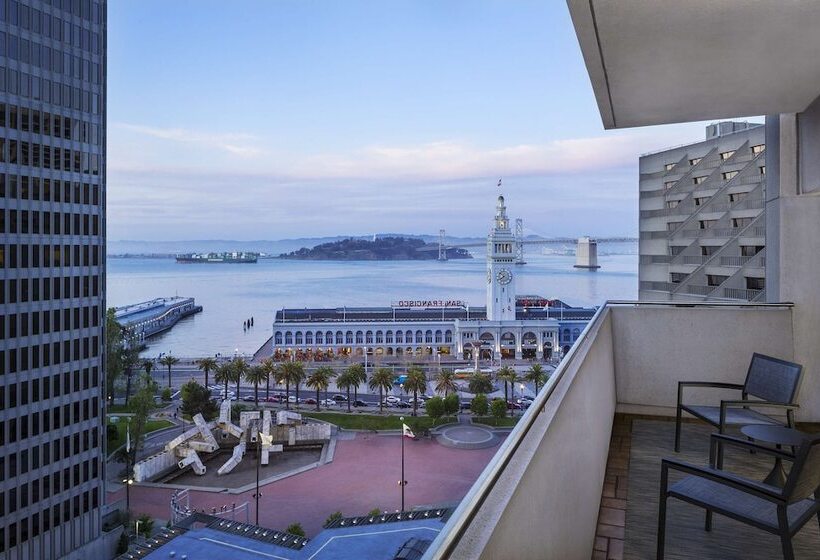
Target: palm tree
(292, 372)
(480, 383)
(507, 375)
(224, 374)
(240, 369)
(148, 366)
(536, 375)
(319, 380)
(270, 372)
(206, 365)
(416, 381)
(345, 381)
(382, 379)
(298, 373)
(284, 375)
(168, 360)
(358, 376)
(446, 382)
(255, 375)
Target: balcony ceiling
(656, 62)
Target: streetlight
(402, 482)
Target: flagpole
(128, 467)
(402, 483)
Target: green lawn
(374, 422)
(150, 426)
(122, 409)
(497, 422)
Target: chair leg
(786, 543)
(661, 525)
(677, 430)
(708, 525)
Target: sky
(265, 119)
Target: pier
(144, 320)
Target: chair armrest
(739, 442)
(707, 385)
(724, 405)
(768, 493)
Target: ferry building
(509, 326)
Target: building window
(750, 250)
(340, 339)
(708, 250)
(299, 337)
(737, 197)
(668, 166)
(700, 201)
(448, 337)
(359, 337)
(726, 155)
(706, 224)
(699, 180)
(695, 161)
(755, 283)
(379, 337)
(349, 337)
(669, 184)
(368, 337)
(672, 203)
(715, 279)
(677, 277)
(672, 226)
(758, 149)
(741, 222)
(388, 337)
(762, 169)
(288, 338)
(399, 337)
(309, 337)
(728, 175)
(320, 338)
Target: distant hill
(380, 249)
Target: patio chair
(781, 511)
(774, 384)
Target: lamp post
(258, 461)
(402, 482)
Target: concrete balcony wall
(658, 345)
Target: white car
(392, 400)
(327, 402)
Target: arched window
(379, 337)
(288, 337)
(448, 337)
(359, 337)
(388, 338)
(508, 339)
(298, 337)
(368, 337)
(329, 337)
(419, 337)
(576, 333)
(277, 338)
(565, 334)
(309, 337)
(399, 337)
(529, 339)
(408, 337)
(438, 337)
(320, 337)
(428, 336)
(340, 337)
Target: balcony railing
(539, 496)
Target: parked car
(513, 406)
(340, 398)
(404, 404)
(388, 404)
(392, 399)
(411, 400)
(359, 402)
(276, 399)
(248, 398)
(292, 400)
(310, 400)
(327, 402)
(465, 405)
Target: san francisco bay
(232, 293)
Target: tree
(293, 373)
(148, 366)
(358, 376)
(382, 379)
(168, 361)
(146, 525)
(416, 381)
(333, 517)
(537, 376)
(295, 529)
(434, 407)
(284, 375)
(206, 365)
(507, 375)
(113, 350)
(255, 375)
(479, 406)
(240, 368)
(480, 383)
(446, 382)
(129, 358)
(224, 374)
(196, 399)
(166, 394)
(141, 404)
(451, 404)
(319, 380)
(344, 382)
(498, 408)
(270, 370)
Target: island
(379, 249)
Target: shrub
(295, 529)
(335, 516)
(146, 525)
(166, 394)
(498, 408)
(122, 544)
(451, 404)
(434, 407)
(479, 405)
(111, 432)
(374, 512)
(197, 399)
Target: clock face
(504, 276)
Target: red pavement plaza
(364, 475)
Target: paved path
(364, 475)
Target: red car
(512, 405)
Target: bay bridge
(442, 245)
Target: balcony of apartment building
(579, 476)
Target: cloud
(239, 144)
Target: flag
(407, 432)
(128, 438)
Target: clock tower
(500, 275)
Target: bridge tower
(442, 249)
(519, 241)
